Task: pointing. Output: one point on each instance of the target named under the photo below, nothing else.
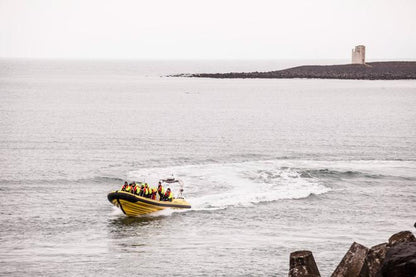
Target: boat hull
(134, 205)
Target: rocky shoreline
(397, 257)
(370, 71)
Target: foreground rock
(395, 258)
(302, 263)
(353, 261)
(373, 261)
(400, 261)
(369, 71)
(404, 236)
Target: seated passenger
(147, 193)
(153, 196)
(123, 188)
(141, 192)
(134, 188)
(168, 195)
(128, 188)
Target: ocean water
(270, 167)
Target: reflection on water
(124, 221)
(133, 234)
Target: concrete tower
(358, 55)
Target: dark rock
(353, 261)
(373, 261)
(370, 71)
(302, 263)
(400, 261)
(404, 236)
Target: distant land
(369, 71)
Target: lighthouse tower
(358, 55)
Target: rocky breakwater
(397, 257)
(368, 71)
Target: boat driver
(160, 191)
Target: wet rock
(374, 260)
(302, 263)
(404, 236)
(400, 261)
(353, 261)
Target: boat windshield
(174, 181)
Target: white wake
(218, 186)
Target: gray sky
(214, 29)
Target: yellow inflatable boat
(134, 205)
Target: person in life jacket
(134, 188)
(160, 191)
(146, 191)
(141, 192)
(153, 194)
(168, 195)
(123, 188)
(128, 188)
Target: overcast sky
(211, 29)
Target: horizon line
(195, 59)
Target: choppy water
(270, 167)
